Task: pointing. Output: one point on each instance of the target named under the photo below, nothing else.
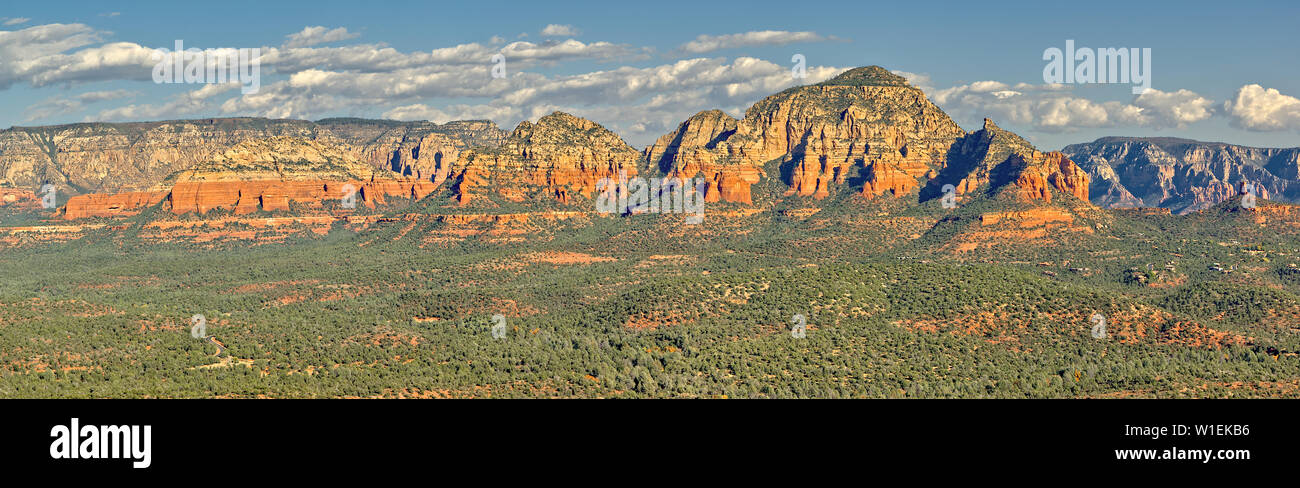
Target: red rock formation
(1039, 172)
(273, 195)
(265, 174)
(885, 177)
(1028, 218)
(19, 197)
(115, 205)
(558, 156)
(865, 116)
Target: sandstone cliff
(864, 117)
(1183, 175)
(264, 174)
(18, 197)
(865, 131)
(558, 156)
(112, 158)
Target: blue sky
(1220, 71)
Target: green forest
(644, 306)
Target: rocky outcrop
(975, 159)
(18, 198)
(557, 156)
(1181, 174)
(1040, 173)
(270, 174)
(1028, 218)
(111, 205)
(864, 119)
(690, 152)
(276, 195)
(265, 174)
(137, 156)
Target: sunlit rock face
(1181, 174)
(865, 117)
(555, 157)
(137, 156)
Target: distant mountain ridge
(136, 156)
(866, 133)
(1183, 175)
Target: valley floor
(647, 307)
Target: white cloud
(56, 106)
(918, 80)
(313, 35)
(557, 30)
(1052, 108)
(706, 43)
(1173, 109)
(185, 104)
(640, 103)
(1263, 109)
(17, 20)
(421, 111)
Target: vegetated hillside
(643, 306)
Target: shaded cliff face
(558, 156)
(866, 118)
(1183, 175)
(112, 158)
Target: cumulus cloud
(313, 35)
(182, 105)
(706, 43)
(312, 80)
(558, 30)
(918, 80)
(379, 58)
(17, 20)
(1263, 109)
(38, 56)
(639, 104)
(548, 51)
(56, 106)
(1053, 108)
(1173, 109)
